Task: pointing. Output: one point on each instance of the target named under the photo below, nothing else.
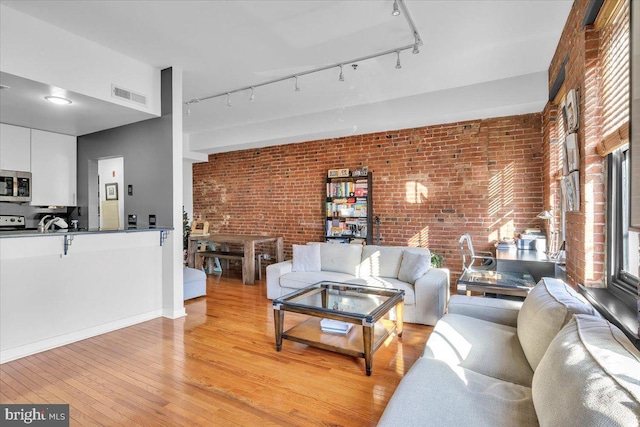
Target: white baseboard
(175, 314)
(49, 343)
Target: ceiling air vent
(128, 95)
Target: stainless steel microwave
(15, 186)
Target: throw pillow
(589, 375)
(413, 266)
(306, 258)
(548, 307)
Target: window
(622, 242)
(614, 27)
(618, 302)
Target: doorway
(110, 191)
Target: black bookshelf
(349, 209)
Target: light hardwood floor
(217, 366)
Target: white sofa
(425, 299)
(550, 361)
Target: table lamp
(548, 216)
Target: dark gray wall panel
(147, 148)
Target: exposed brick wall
(585, 229)
(430, 184)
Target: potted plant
(437, 260)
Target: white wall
(172, 259)
(39, 51)
(105, 282)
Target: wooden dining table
(248, 242)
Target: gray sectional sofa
(426, 289)
(550, 360)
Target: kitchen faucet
(43, 226)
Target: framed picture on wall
(111, 191)
(570, 110)
(572, 153)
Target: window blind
(613, 25)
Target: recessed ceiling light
(58, 100)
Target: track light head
(341, 77)
(297, 88)
(415, 49)
(416, 44)
(396, 9)
(398, 64)
(228, 99)
(253, 96)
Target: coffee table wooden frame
(359, 342)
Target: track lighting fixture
(396, 9)
(398, 6)
(188, 111)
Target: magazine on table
(335, 326)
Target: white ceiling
(479, 59)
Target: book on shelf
(335, 326)
(340, 189)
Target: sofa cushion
(300, 279)
(306, 258)
(547, 308)
(485, 347)
(495, 310)
(413, 266)
(380, 261)
(340, 258)
(590, 375)
(391, 283)
(437, 394)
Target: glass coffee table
(359, 309)
(496, 282)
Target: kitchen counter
(76, 284)
(34, 233)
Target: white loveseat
(550, 361)
(425, 299)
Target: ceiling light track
(396, 51)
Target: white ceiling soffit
(23, 104)
(473, 52)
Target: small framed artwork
(111, 191)
(571, 111)
(572, 155)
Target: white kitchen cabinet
(15, 148)
(53, 169)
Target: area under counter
(58, 288)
